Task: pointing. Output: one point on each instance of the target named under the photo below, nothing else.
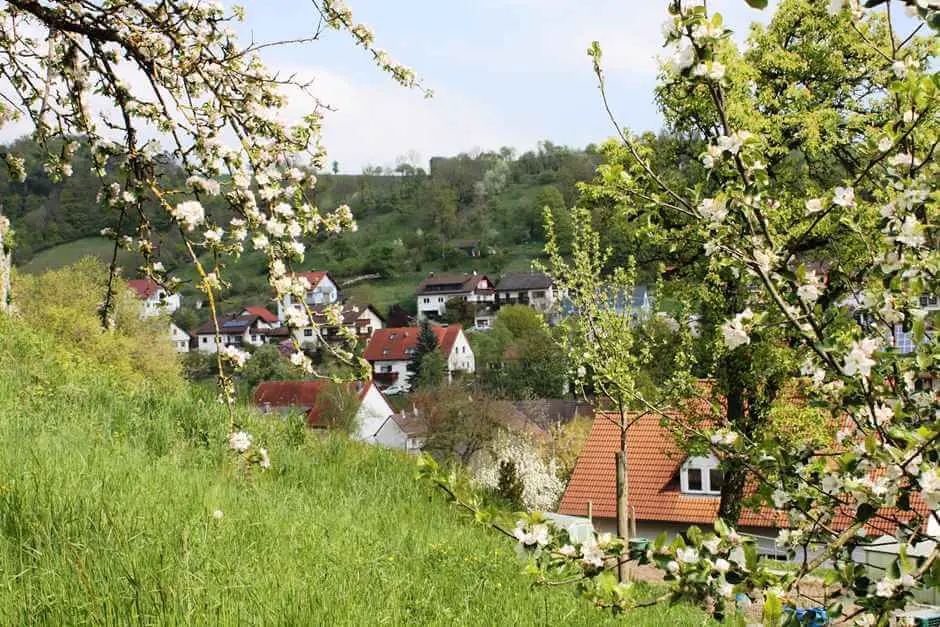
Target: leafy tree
(426, 344)
(510, 487)
(433, 371)
(266, 364)
(460, 311)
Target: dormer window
(701, 475)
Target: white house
(155, 298)
(534, 289)
(180, 339)
(323, 291)
(240, 331)
(435, 290)
(361, 320)
(390, 350)
(375, 420)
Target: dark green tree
(427, 343)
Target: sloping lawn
(107, 496)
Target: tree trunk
(623, 503)
(732, 492)
(6, 269)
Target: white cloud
(373, 123)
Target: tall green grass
(107, 494)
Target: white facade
(542, 300)
(435, 304)
(206, 341)
(160, 303)
(180, 339)
(461, 356)
(325, 292)
(371, 419)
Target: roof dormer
(701, 476)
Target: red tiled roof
(305, 395)
(653, 461)
(261, 312)
(145, 288)
(314, 277)
(392, 344)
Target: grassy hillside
(107, 494)
(67, 254)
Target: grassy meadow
(107, 498)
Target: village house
(477, 289)
(389, 351)
(534, 289)
(669, 491)
(323, 291)
(361, 320)
(266, 319)
(180, 338)
(375, 420)
(239, 330)
(155, 298)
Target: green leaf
(757, 4)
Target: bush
(65, 303)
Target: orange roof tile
(145, 288)
(653, 461)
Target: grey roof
(524, 281)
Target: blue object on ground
(811, 616)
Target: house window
(204, 340)
(694, 480)
(427, 300)
(409, 351)
(385, 369)
(440, 299)
(538, 294)
(903, 340)
(928, 300)
(308, 332)
(254, 338)
(701, 475)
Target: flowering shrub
(542, 488)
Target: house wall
(160, 303)
(461, 355)
(436, 304)
(765, 537)
(179, 338)
(206, 341)
(372, 414)
(399, 367)
(374, 321)
(324, 292)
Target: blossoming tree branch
(143, 82)
(813, 205)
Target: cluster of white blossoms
(735, 332)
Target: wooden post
(591, 511)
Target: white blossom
(237, 356)
(858, 360)
(911, 233)
(189, 213)
(239, 441)
(714, 210)
(814, 205)
(844, 196)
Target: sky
(503, 72)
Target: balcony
(385, 378)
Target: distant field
(65, 254)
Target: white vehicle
(395, 389)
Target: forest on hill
(411, 219)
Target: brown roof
(261, 312)
(393, 344)
(449, 283)
(350, 313)
(145, 288)
(653, 460)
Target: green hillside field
(107, 500)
